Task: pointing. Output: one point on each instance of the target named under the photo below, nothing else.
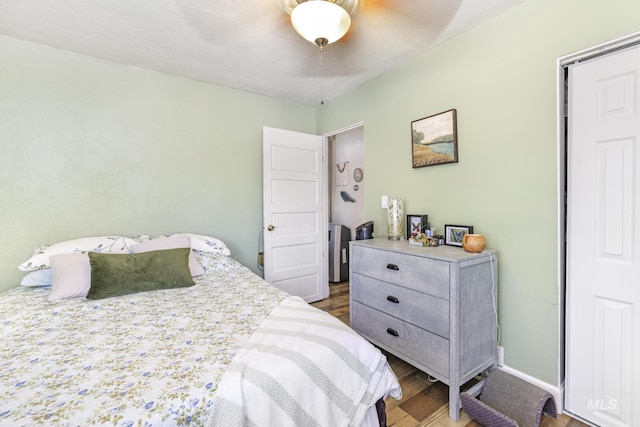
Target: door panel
(614, 197)
(603, 240)
(294, 213)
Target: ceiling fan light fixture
(320, 21)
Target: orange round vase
(473, 242)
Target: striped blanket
(302, 367)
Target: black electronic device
(364, 231)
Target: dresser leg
(454, 402)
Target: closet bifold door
(603, 239)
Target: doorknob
(271, 227)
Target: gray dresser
(431, 306)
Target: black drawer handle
(393, 332)
(392, 267)
(393, 299)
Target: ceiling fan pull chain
(321, 77)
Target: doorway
(346, 187)
(347, 178)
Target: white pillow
(172, 242)
(105, 244)
(203, 243)
(71, 276)
(42, 277)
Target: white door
(294, 213)
(603, 240)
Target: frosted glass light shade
(318, 19)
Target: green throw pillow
(121, 274)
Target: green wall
(89, 147)
(501, 77)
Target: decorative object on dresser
(473, 242)
(395, 219)
(434, 307)
(434, 140)
(416, 224)
(453, 234)
(419, 239)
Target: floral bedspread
(147, 359)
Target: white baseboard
(555, 391)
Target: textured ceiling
(244, 44)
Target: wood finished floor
(424, 403)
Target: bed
(224, 348)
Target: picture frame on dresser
(416, 224)
(453, 234)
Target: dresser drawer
(426, 311)
(411, 341)
(425, 275)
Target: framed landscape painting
(434, 140)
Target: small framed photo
(416, 224)
(434, 140)
(453, 234)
